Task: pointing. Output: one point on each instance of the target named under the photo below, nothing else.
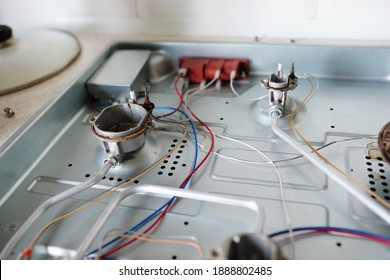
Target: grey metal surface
(123, 70)
(57, 150)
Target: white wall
(333, 19)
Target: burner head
(384, 141)
(122, 128)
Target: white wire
(232, 75)
(277, 171)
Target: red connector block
(203, 69)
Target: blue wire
(156, 212)
(329, 229)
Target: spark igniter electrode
(277, 85)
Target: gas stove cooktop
(117, 128)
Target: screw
(9, 112)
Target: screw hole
(70, 165)
(174, 257)
(332, 126)
(87, 175)
(186, 223)
(338, 244)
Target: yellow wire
(156, 240)
(37, 236)
(292, 117)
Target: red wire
(161, 216)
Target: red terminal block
(203, 69)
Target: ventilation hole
(380, 164)
(373, 189)
(168, 156)
(111, 178)
(373, 197)
(87, 175)
(177, 157)
(381, 171)
(162, 167)
(351, 169)
(372, 182)
(227, 102)
(332, 126)
(369, 169)
(338, 244)
(159, 173)
(136, 181)
(104, 178)
(184, 141)
(170, 174)
(384, 184)
(367, 157)
(182, 146)
(169, 150)
(175, 140)
(371, 176)
(379, 158)
(173, 145)
(186, 223)
(383, 177)
(70, 165)
(385, 190)
(387, 197)
(173, 168)
(165, 161)
(175, 162)
(331, 109)
(174, 257)
(184, 165)
(119, 179)
(368, 163)
(221, 119)
(180, 151)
